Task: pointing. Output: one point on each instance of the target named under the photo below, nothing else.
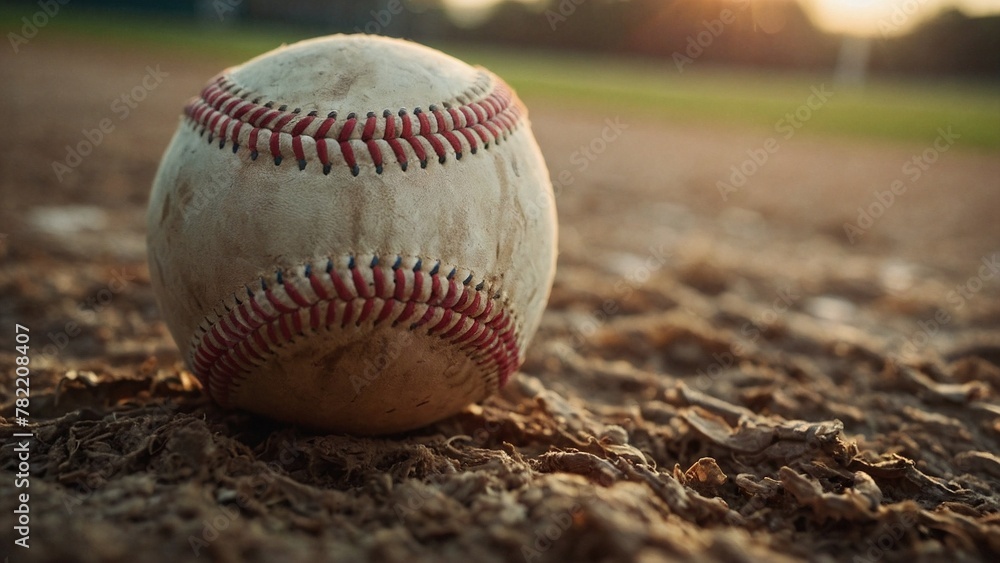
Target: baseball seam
(302, 301)
(224, 111)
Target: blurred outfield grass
(907, 110)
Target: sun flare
(860, 17)
(856, 17)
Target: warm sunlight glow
(855, 17)
(473, 12)
(870, 17)
(888, 17)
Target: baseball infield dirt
(716, 378)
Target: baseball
(352, 233)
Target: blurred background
(633, 52)
(884, 37)
(862, 127)
(788, 207)
(748, 138)
(848, 92)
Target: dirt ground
(714, 380)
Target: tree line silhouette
(760, 34)
(771, 34)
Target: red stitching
(253, 143)
(282, 121)
(301, 125)
(369, 127)
(300, 155)
(328, 123)
(226, 349)
(236, 135)
(270, 116)
(275, 149)
(243, 109)
(489, 119)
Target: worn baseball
(354, 234)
